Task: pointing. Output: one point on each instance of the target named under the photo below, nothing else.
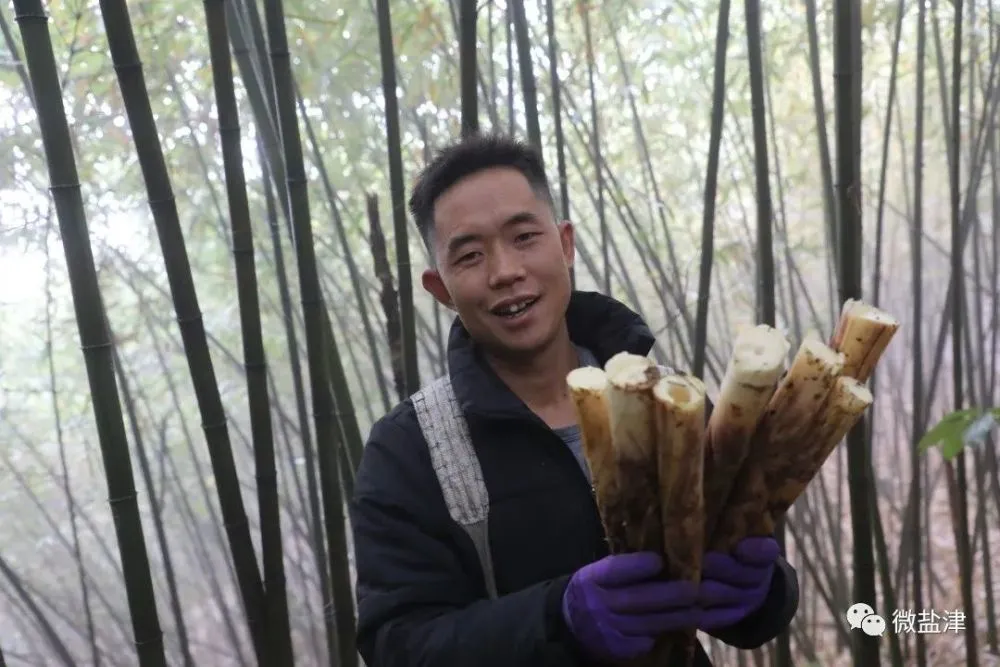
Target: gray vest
(457, 467)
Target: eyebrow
(460, 240)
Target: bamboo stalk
(320, 345)
(94, 338)
(276, 617)
(800, 395)
(862, 335)
(757, 361)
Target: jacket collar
(595, 321)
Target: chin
(528, 343)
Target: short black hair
(465, 157)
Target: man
(502, 263)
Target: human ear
(567, 239)
(432, 282)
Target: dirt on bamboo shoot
(844, 407)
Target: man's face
(502, 261)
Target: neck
(539, 380)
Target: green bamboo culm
(95, 340)
(156, 509)
(317, 344)
(305, 435)
(279, 635)
(387, 58)
(32, 610)
(163, 205)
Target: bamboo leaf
(959, 429)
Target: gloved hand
(616, 610)
(735, 586)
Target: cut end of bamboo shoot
(587, 379)
(626, 371)
(851, 396)
(681, 392)
(862, 334)
(758, 357)
(623, 360)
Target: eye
(526, 236)
(467, 257)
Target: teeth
(516, 308)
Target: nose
(505, 267)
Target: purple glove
(616, 610)
(733, 587)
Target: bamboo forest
(210, 289)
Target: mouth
(514, 309)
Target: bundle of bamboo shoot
(642, 434)
(666, 481)
(815, 404)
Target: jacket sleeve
(774, 615)
(421, 597)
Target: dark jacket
(422, 601)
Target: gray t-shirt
(571, 434)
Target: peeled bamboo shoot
(800, 395)
(844, 407)
(862, 335)
(633, 517)
(588, 388)
(757, 361)
(680, 429)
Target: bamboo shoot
(862, 335)
(757, 361)
(633, 516)
(588, 388)
(844, 407)
(680, 429)
(800, 395)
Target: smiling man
(477, 539)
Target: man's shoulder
(398, 427)
(396, 465)
(402, 421)
(398, 435)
